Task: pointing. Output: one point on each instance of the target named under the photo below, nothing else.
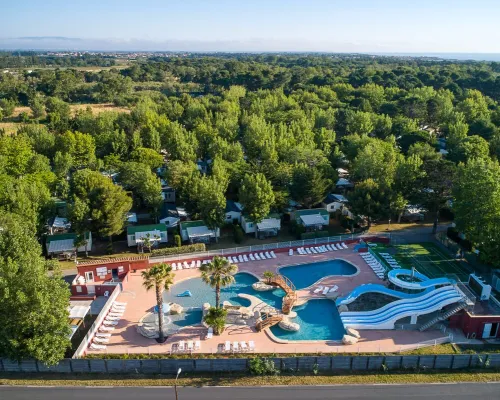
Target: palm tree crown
(218, 273)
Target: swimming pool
(305, 275)
(318, 320)
(172, 323)
(202, 293)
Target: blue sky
(270, 25)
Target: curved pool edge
(284, 341)
(358, 271)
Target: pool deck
(126, 340)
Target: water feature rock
(353, 332)
(343, 308)
(262, 286)
(206, 306)
(347, 339)
(288, 325)
(175, 308)
(332, 295)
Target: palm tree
(216, 318)
(160, 278)
(268, 275)
(218, 273)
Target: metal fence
(285, 364)
(97, 323)
(262, 247)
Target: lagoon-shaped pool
(202, 293)
(305, 275)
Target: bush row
(314, 235)
(170, 251)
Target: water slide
(386, 317)
(377, 288)
(423, 281)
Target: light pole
(175, 382)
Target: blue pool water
(318, 320)
(305, 275)
(202, 293)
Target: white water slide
(429, 301)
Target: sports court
(428, 259)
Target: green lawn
(427, 258)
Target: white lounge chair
(274, 255)
(95, 346)
(290, 252)
(251, 345)
(329, 247)
(210, 333)
(344, 245)
(104, 335)
(115, 314)
(110, 318)
(197, 345)
(117, 303)
(190, 346)
(257, 257)
(339, 246)
(334, 289)
(110, 323)
(101, 340)
(245, 258)
(314, 250)
(243, 346)
(333, 247)
(252, 258)
(325, 290)
(227, 346)
(198, 264)
(186, 265)
(318, 289)
(230, 259)
(262, 256)
(268, 255)
(236, 346)
(308, 250)
(174, 267)
(104, 328)
(118, 308)
(182, 346)
(240, 257)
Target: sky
(421, 26)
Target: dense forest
(270, 128)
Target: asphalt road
(459, 391)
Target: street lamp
(175, 382)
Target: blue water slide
(424, 283)
(385, 317)
(377, 288)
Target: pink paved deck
(126, 339)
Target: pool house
(64, 244)
(156, 233)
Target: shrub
(238, 234)
(169, 251)
(466, 245)
(453, 234)
(322, 234)
(262, 366)
(268, 275)
(177, 240)
(308, 235)
(299, 230)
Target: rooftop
(146, 228)
(232, 206)
(312, 211)
(331, 198)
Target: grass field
(428, 259)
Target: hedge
(314, 235)
(170, 251)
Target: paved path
(460, 391)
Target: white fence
(262, 247)
(97, 323)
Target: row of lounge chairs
(325, 289)
(182, 346)
(242, 258)
(374, 264)
(101, 338)
(237, 347)
(322, 249)
(390, 260)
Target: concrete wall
(323, 363)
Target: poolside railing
(262, 247)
